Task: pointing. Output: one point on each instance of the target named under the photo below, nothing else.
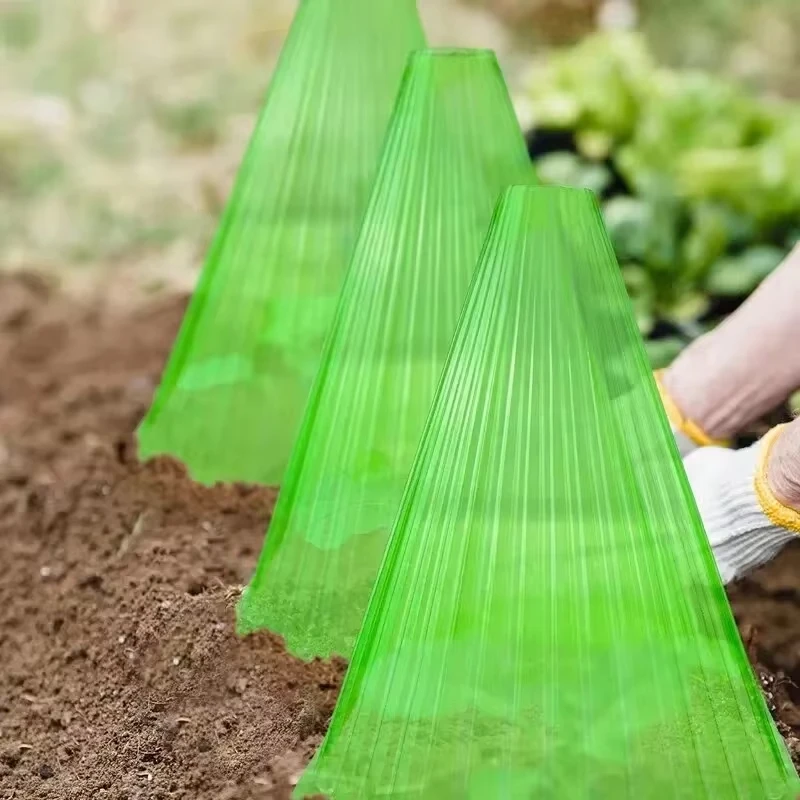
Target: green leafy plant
(700, 181)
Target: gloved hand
(688, 435)
(746, 523)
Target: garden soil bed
(120, 675)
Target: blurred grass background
(122, 122)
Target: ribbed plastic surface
(549, 621)
(235, 386)
(453, 147)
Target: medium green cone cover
(548, 621)
(234, 389)
(454, 145)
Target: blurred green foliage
(700, 179)
(19, 25)
(122, 125)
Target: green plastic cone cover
(454, 146)
(234, 389)
(548, 621)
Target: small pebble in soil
(45, 772)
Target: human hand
(735, 490)
(689, 436)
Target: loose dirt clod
(120, 675)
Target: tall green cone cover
(454, 145)
(548, 621)
(234, 389)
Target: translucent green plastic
(233, 392)
(454, 146)
(548, 621)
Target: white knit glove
(744, 521)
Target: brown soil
(120, 675)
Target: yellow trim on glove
(685, 425)
(779, 514)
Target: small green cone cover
(454, 146)
(548, 621)
(237, 380)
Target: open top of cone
(548, 620)
(454, 145)
(236, 383)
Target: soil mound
(120, 675)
